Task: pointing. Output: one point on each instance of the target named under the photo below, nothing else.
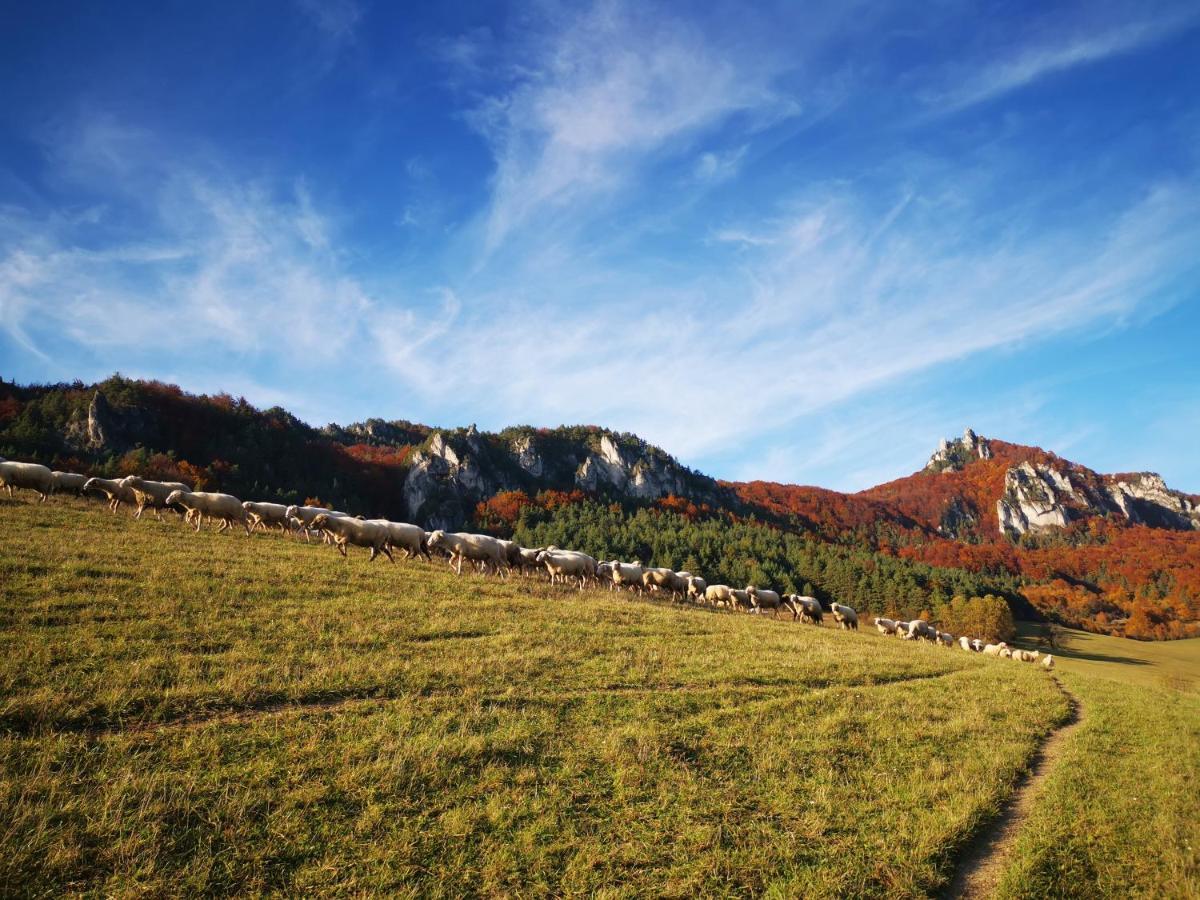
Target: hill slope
(1112, 553)
(216, 713)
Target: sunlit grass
(186, 713)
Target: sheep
(977, 645)
(762, 599)
(302, 517)
(718, 595)
(267, 515)
(994, 649)
(225, 507)
(29, 476)
(116, 492)
(965, 643)
(626, 575)
(475, 547)
(919, 629)
(1047, 662)
(528, 558)
(69, 481)
(885, 626)
(345, 530)
(696, 587)
(1026, 655)
(412, 539)
(739, 599)
(151, 493)
(1006, 653)
(565, 564)
(659, 578)
(945, 639)
(846, 617)
(806, 609)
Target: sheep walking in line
(885, 626)
(567, 565)
(489, 554)
(116, 492)
(846, 617)
(267, 516)
(225, 507)
(27, 476)
(152, 494)
(69, 482)
(475, 547)
(806, 609)
(345, 530)
(762, 599)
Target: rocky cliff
(454, 470)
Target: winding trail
(986, 857)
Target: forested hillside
(1117, 554)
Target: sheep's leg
(388, 552)
(199, 520)
(341, 545)
(458, 571)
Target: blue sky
(792, 241)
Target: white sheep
(475, 547)
(345, 530)
(199, 504)
(69, 481)
(28, 476)
(696, 587)
(718, 595)
(151, 493)
(116, 492)
(1026, 655)
(806, 609)
(626, 575)
(1047, 662)
(994, 649)
(919, 629)
(302, 517)
(845, 616)
(977, 645)
(267, 515)
(945, 638)
(740, 599)
(762, 599)
(885, 626)
(411, 539)
(965, 643)
(568, 564)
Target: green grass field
(186, 713)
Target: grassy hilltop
(188, 712)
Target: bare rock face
(444, 483)
(952, 455)
(642, 478)
(527, 456)
(1040, 497)
(106, 428)
(1035, 498)
(1145, 499)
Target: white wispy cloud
(596, 95)
(1049, 56)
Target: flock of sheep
(487, 554)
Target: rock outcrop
(455, 470)
(952, 455)
(1040, 497)
(1035, 498)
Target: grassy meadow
(1119, 815)
(185, 713)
